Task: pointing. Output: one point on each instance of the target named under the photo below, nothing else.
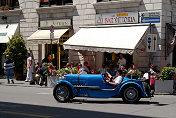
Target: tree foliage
(16, 49)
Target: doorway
(2, 58)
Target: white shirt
(28, 61)
(122, 62)
(118, 79)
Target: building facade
(34, 15)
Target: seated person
(84, 69)
(117, 80)
(37, 73)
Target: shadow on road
(14, 110)
(114, 102)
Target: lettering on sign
(3, 34)
(117, 18)
(150, 17)
(56, 23)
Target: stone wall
(84, 15)
(29, 22)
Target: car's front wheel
(130, 94)
(62, 93)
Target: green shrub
(16, 49)
(167, 73)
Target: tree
(16, 49)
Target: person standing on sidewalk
(29, 68)
(8, 66)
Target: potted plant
(165, 82)
(16, 49)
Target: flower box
(164, 86)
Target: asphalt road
(38, 102)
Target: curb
(20, 83)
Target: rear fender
(67, 83)
(130, 83)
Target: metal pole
(150, 52)
(51, 51)
(149, 74)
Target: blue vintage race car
(95, 86)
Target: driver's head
(119, 72)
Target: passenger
(117, 80)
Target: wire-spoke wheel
(62, 93)
(130, 94)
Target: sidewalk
(22, 83)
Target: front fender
(135, 84)
(67, 83)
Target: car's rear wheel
(62, 93)
(130, 94)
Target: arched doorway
(174, 56)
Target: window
(9, 4)
(44, 3)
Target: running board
(96, 88)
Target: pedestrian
(29, 68)
(151, 69)
(121, 61)
(45, 60)
(156, 69)
(8, 67)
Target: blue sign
(150, 20)
(149, 40)
(51, 28)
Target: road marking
(26, 114)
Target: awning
(6, 32)
(107, 39)
(43, 36)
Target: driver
(117, 80)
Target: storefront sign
(150, 17)
(117, 18)
(56, 23)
